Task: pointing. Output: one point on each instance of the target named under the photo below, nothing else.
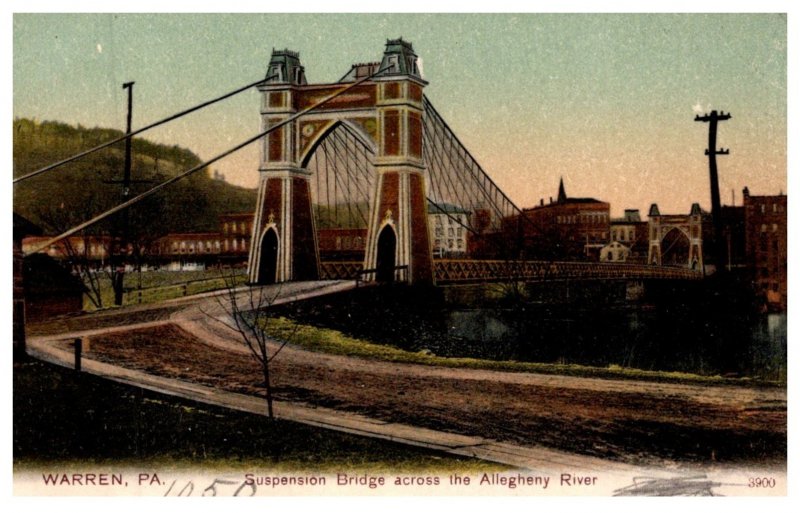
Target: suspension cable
(362, 164)
(222, 155)
(140, 130)
(335, 147)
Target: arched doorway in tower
(387, 245)
(675, 249)
(269, 258)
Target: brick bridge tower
(386, 112)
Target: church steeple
(562, 195)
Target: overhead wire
(203, 165)
(139, 131)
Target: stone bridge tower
(387, 113)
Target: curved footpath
(204, 317)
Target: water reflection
(629, 338)
(657, 333)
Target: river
(596, 330)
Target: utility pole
(716, 208)
(119, 272)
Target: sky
(606, 101)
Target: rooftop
(446, 208)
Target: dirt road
(631, 421)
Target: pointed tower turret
(562, 195)
(285, 68)
(399, 59)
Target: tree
(247, 308)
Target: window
(774, 227)
(449, 232)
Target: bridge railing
(332, 270)
(345, 270)
(466, 271)
(475, 271)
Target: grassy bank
(334, 342)
(70, 419)
(155, 286)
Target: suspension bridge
(370, 156)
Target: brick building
(566, 229)
(628, 239)
(94, 248)
(236, 230)
(345, 244)
(50, 288)
(766, 246)
(22, 228)
(448, 233)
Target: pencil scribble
(686, 486)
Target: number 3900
(761, 482)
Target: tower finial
(562, 195)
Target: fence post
(78, 351)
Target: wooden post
(716, 207)
(78, 351)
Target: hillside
(75, 192)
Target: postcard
(529, 254)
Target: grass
(67, 419)
(162, 285)
(334, 342)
